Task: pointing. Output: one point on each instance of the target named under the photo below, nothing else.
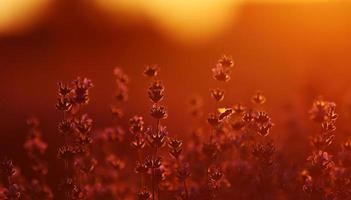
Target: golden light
(183, 20)
(193, 20)
(17, 15)
(222, 110)
(187, 20)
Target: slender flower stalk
(76, 128)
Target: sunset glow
(17, 15)
(175, 99)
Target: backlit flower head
(121, 77)
(64, 89)
(258, 98)
(222, 70)
(64, 104)
(221, 73)
(136, 124)
(226, 61)
(323, 111)
(156, 91)
(143, 195)
(217, 94)
(81, 90)
(151, 70)
(158, 112)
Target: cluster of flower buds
(81, 91)
(156, 91)
(36, 148)
(7, 171)
(64, 104)
(34, 145)
(323, 112)
(136, 124)
(321, 160)
(158, 112)
(153, 163)
(73, 95)
(151, 71)
(136, 127)
(321, 141)
(175, 147)
(122, 81)
(143, 195)
(83, 126)
(217, 94)
(139, 138)
(78, 127)
(157, 138)
(156, 94)
(69, 152)
(138, 142)
(263, 123)
(66, 126)
(77, 130)
(264, 153)
(258, 98)
(257, 121)
(183, 171)
(222, 70)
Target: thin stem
(158, 192)
(158, 125)
(141, 174)
(153, 169)
(184, 182)
(186, 190)
(152, 184)
(153, 174)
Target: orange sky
(184, 20)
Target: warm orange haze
(162, 100)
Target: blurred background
(291, 50)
